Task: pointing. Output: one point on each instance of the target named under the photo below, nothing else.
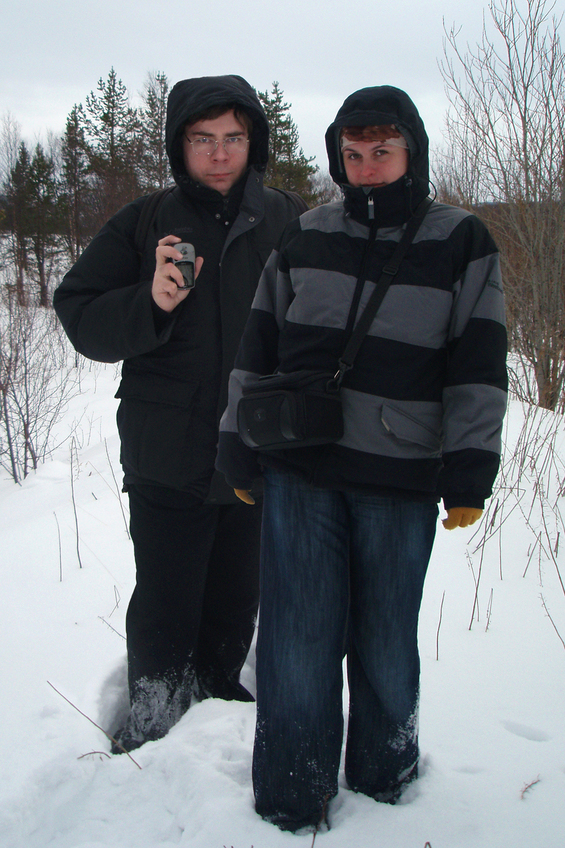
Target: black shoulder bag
(303, 408)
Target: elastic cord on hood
(191, 97)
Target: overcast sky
(54, 53)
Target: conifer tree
(288, 167)
(112, 133)
(43, 217)
(75, 186)
(33, 220)
(19, 203)
(154, 162)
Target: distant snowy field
(493, 692)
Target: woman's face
(372, 163)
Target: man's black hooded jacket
(176, 365)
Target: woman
(348, 528)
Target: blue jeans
(341, 573)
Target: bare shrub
(530, 487)
(505, 149)
(37, 379)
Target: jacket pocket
(423, 428)
(156, 388)
(157, 430)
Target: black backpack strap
(147, 214)
(297, 201)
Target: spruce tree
(114, 145)
(288, 167)
(18, 193)
(43, 218)
(154, 162)
(75, 184)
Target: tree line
(57, 196)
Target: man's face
(370, 163)
(222, 168)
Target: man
(191, 617)
(348, 527)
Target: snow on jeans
(341, 572)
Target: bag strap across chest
(388, 274)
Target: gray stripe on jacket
(323, 299)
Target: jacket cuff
(463, 500)
(161, 318)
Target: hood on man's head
(375, 106)
(192, 97)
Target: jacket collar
(388, 206)
(227, 206)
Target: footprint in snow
(526, 732)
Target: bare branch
(111, 738)
(506, 161)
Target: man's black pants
(191, 617)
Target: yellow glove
(244, 495)
(461, 516)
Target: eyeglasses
(234, 144)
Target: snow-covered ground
(493, 675)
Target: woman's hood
(381, 104)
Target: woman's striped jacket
(424, 402)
